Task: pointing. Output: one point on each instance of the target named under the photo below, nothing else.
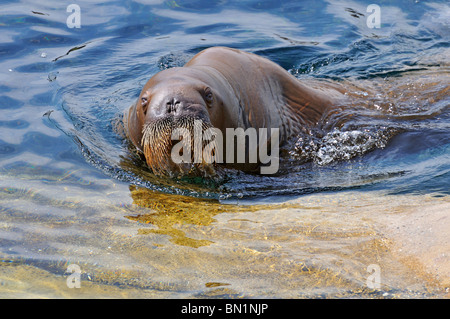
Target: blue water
(85, 77)
(62, 90)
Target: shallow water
(71, 193)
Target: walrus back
(269, 96)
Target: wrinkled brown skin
(248, 91)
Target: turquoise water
(63, 89)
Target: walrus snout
(168, 114)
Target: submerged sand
(136, 243)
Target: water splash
(338, 145)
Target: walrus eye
(208, 95)
(144, 103)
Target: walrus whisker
(157, 145)
(156, 142)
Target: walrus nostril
(173, 106)
(170, 107)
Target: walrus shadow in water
(227, 88)
(171, 213)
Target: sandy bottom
(422, 234)
(135, 243)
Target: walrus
(223, 88)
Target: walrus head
(170, 107)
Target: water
(71, 192)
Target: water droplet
(52, 76)
(43, 55)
